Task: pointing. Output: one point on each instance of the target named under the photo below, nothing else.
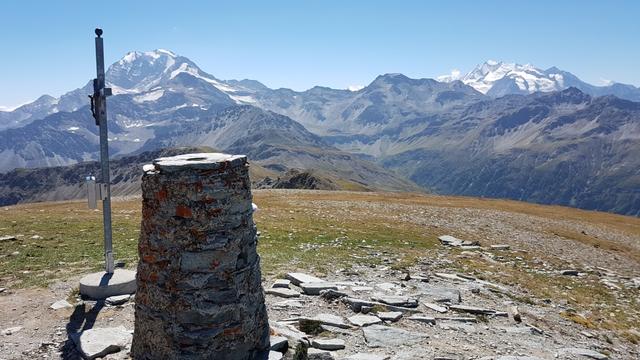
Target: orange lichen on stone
(183, 211)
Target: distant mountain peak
(499, 78)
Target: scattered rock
(282, 292)
(279, 343)
(367, 356)
(385, 336)
(392, 316)
(117, 300)
(450, 240)
(457, 318)
(516, 314)
(443, 295)
(359, 305)
(3, 290)
(584, 352)
(287, 304)
(8, 238)
(500, 247)
(60, 304)
(452, 277)
(436, 307)
(316, 354)
(423, 319)
(569, 272)
(331, 320)
(274, 355)
(361, 288)
(328, 344)
(587, 334)
(281, 283)
(331, 294)
(472, 310)
(294, 335)
(364, 320)
(299, 278)
(11, 330)
(403, 301)
(98, 342)
(314, 288)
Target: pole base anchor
(102, 285)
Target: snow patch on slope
(150, 96)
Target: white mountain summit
(496, 78)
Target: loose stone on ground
(98, 342)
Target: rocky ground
(492, 280)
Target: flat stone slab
(98, 342)
(367, 356)
(392, 316)
(289, 304)
(315, 288)
(8, 238)
(436, 307)
(361, 288)
(423, 319)
(331, 320)
(288, 331)
(317, 354)
(281, 283)
(299, 278)
(403, 301)
(201, 161)
(385, 336)
(11, 330)
(584, 352)
(274, 355)
(60, 304)
(118, 299)
(282, 292)
(328, 344)
(500, 247)
(472, 310)
(450, 240)
(101, 285)
(364, 320)
(441, 294)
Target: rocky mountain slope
(484, 134)
(68, 182)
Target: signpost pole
(110, 282)
(99, 100)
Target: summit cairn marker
(199, 290)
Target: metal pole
(100, 101)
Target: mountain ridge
(446, 136)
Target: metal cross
(102, 190)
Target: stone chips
(199, 291)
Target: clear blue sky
(47, 46)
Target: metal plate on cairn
(199, 290)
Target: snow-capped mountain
(146, 72)
(457, 135)
(496, 79)
(149, 76)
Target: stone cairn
(199, 286)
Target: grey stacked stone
(199, 287)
